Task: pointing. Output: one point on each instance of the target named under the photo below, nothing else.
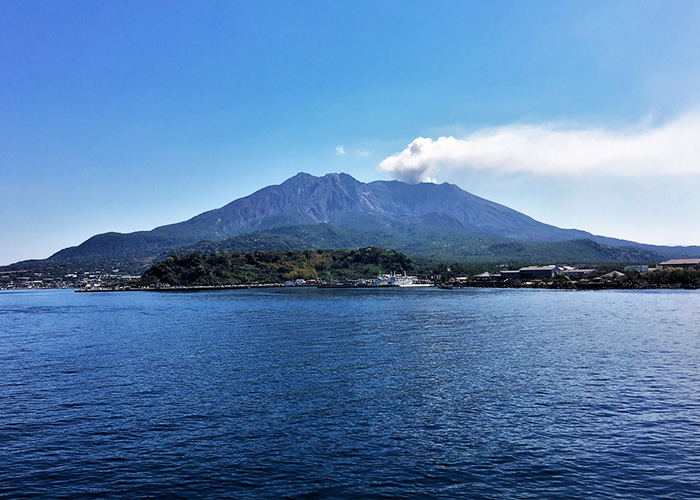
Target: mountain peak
(379, 210)
(329, 176)
(308, 183)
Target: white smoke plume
(669, 149)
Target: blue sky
(122, 116)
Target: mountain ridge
(337, 199)
(414, 218)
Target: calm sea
(305, 394)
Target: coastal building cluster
(551, 271)
(99, 280)
(23, 280)
(530, 273)
(383, 280)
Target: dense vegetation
(434, 249)
(236, 268)
(427, 244)
(689, 278)
(233, 268)
(630, 280)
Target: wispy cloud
(672, 148)
(340, 150)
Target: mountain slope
(341, 200)
(337, 211)
(336, 199)
(434, 245)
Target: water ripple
(307, 394)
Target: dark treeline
(234, 268)
(673, 276)
(238, 268)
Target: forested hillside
(234, 268)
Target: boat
(381, 281)
(392, 280)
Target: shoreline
(240, 287)
(535, 286)
(577, 286)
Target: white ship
(393, 280)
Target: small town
(23, 280)
(547, 276)
(579, 277)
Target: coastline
(538, 286)
(578, 286)
(239, 287)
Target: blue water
(305, 393)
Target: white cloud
(340, 150)
(669, 149)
